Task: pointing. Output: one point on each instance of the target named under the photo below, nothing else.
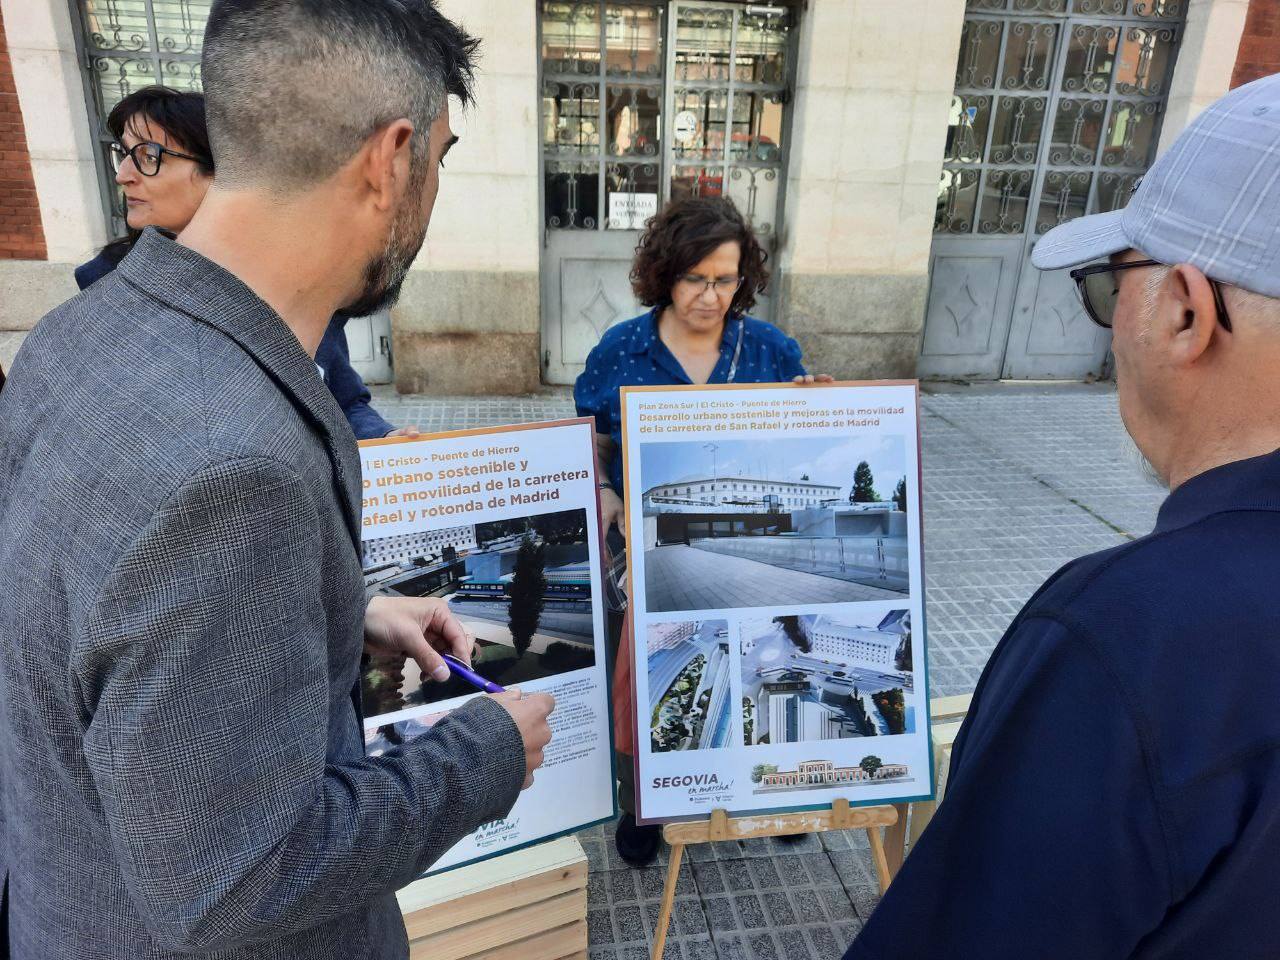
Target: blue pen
(459, 668)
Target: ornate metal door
(1056, 113)
(642, 101)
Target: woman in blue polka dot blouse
(699, 268)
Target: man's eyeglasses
(146, 156)
(723, 287)
(1100, 288)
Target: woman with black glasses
(699, 267)
(164, 166)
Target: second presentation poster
(503, 525)
(774, 539)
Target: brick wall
(1259, 53)
(21, 233)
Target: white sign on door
(686, 128)
(629, 211)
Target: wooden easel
(841, 816)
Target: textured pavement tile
(776, 904)
(764, 947)
(708, 878)
(794, 944)
(597, 895)
(737, 875)
(750, 910)
(764, 873)
(837, 903)
(700, 948)
(791, 870)
(629, 925)
(827, 944)
(688, 918)
(821, 869)
(810, 906)
(599, 927)
(720, 915)
(622, 885)
(731, 947)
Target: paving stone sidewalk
(1018, 479)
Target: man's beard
(385, 273)
(1135, 457)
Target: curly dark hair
(686, 232)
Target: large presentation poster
(503, 525)
(777, 597)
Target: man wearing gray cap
(1115, 791)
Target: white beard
(1138, 460)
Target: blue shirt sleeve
(347, 386)
(1049, 842)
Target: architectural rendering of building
(797, 717)
(412, 546)
(742, 492)
(664, 636)
(853, 645)
(824, 773)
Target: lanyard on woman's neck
(737, 351)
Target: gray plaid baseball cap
(1212, 200)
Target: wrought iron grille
(729, 73)
(630, 119)
(129, 44)
(601, 111)
(1056, 111)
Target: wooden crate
(527, 905)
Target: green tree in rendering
(871, 765)
(893, 707)
(760, 769)
(864, 485)
(528, 593)
(900, 495)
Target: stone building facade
(831, 120)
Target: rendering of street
(689, 681)
(521, 588)
(795, 693)
(796, 521)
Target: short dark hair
(686, 232)
(294, 87)
(179, 113)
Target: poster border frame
(627, 515)
(604, 572)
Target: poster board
(493, 521)
(777, 596)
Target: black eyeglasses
(146, 156)
(1100, 288)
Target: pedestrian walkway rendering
(1017, 481)
(678, 577)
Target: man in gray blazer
(181, 605)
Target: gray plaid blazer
(181, 761)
